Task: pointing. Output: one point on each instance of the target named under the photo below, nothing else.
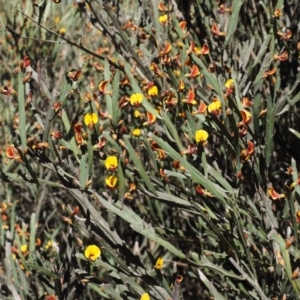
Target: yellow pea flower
(111, 163)
(92, 252)
(163, 19)
(90, 119)
(159, 263)
(201, 136)
(153, 91)
(136, 99)
(145, 296)
(111, 182)
(136, 132)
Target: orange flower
(194, 72)
(166, 49)
(102, 88)
(216, 31)
(289, 241)
(295, 274)
(5, 90)
(183, 25)
(125, 81)
(282, 57)
(269, 73)
(57, 135)
(161, 7)
(150, 119)
(123, 102)
(246, 153)
(190, 150)
(243, 129)
(129, 25)
(246, 102)
(176, 165)
(12, 153)
(190, 98)
(157, 71)
(26, 62)
(171, 100)
(277, 13)
(298, 216)
(286, 35)
(100, 144)
(161, 155)
(274, 195)
(246, 116)
(201, 51)
(201, 191)
(74, 75)
(201, 109)
(50, 297)
(57, 106)
(223, 9)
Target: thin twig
(124, 39)
(66, 40)
(250, 280)
(8, 266)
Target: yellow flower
(24, 248)
(229, 84)
(136, 132)
(62, 31)
(51, 245)
(57, 20)
(48, 245)
(111, 181)
(136, 99)
(159, 263)
(213, 108)
(92, 252)
(153, 91)
(111, 163)
(145, 296)
(90, 119)
(201, 136)
(177, 73)
(136, 114)
(163, 19)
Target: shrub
(148, 150)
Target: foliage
(146, 150)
